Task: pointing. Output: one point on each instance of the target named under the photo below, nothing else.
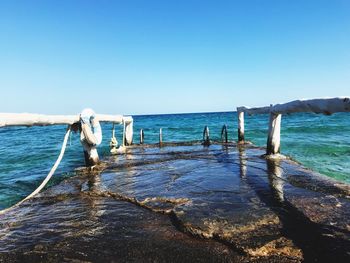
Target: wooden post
(240, 126)
(142, 136)
(160, 137)
(128, 128)
(274, 137)
(90, 136)
(91, 155)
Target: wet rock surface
(184, 203)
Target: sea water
(321, 143)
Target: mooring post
(90, 136)
(274, 138)
(91, 156)
(128, 131)
(142, 136)
(240, 126)
(160, 137)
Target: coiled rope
(48, 177)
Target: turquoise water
(319, 142)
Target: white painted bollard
(240, 126)
(129, 133)
(91, 156)
(274, 138)
(90, 136)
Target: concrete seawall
(184, 203)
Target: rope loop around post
(224, 134)
(206, 137)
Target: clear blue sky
(139, 57)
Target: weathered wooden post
(142, 136)
(240, 125)
(274, 137)
(128, 132)
(90, 136)
(160, 137)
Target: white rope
(48, 177)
